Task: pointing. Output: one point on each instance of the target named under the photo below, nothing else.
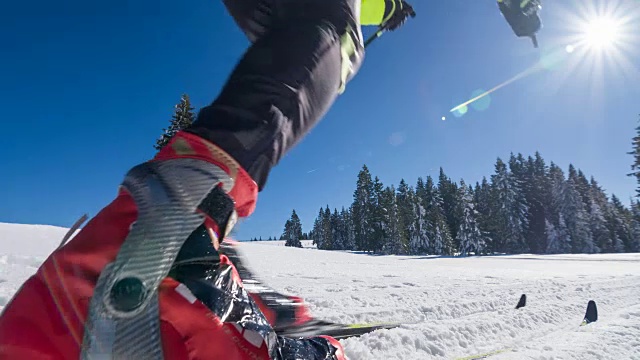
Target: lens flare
(600, 37)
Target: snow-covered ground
(454, 307)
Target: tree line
(526, 206)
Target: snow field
(456, 307)
(453, 307)
(23, 247)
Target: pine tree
(405, 199)
(336, 232)
(287, 230)
(536, 191)
(582, 184)
(622, 225)
(318, 233)
(635, 167)
(347, 230)
(517, 177)
(509, 219)
(598, 210)
(563, 242)
(614, 225)
(182, 118)
(558, 239)
(470, 237)
(293, 231)
(450, 203)
(419, 241)
(576, 217)
(394, 231)
(327, 230)
(482, 200)
(436, 222)
(376, 240)
(635, 227)
(361, 210)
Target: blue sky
(88, 86)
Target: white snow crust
(453, 307)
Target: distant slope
(30, 240)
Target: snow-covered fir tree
(450, 204)
(327, 230)
(376, 240)
(598, 210)
(558, 240)
(293, 231)
(333, 231)
(336, 231)
(393, 228)
(635, 166)
(621, 225)
(405, 199)
(576, 217)
(319, 236)
(469, 235)
(482, 200)
(562, 243)
(347, 230)
(509, 218)
(362, 209)
(436, 222)
(537, 197)
(635, 227)
(182, 118)
(419, 241)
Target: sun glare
(601, 33)
(595, 41)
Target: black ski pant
(286, 81)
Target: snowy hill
(454, 307)
(30, 240)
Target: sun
(601, 33)
(595, 41)
(599, 36)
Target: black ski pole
(376, 35)
(381, 30)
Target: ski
(483, 355)
(338, 331)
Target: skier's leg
(254, 17)
(285, 83)
(117, 264)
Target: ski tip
(522, 302)
(592, 313)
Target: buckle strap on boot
(123, 317)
